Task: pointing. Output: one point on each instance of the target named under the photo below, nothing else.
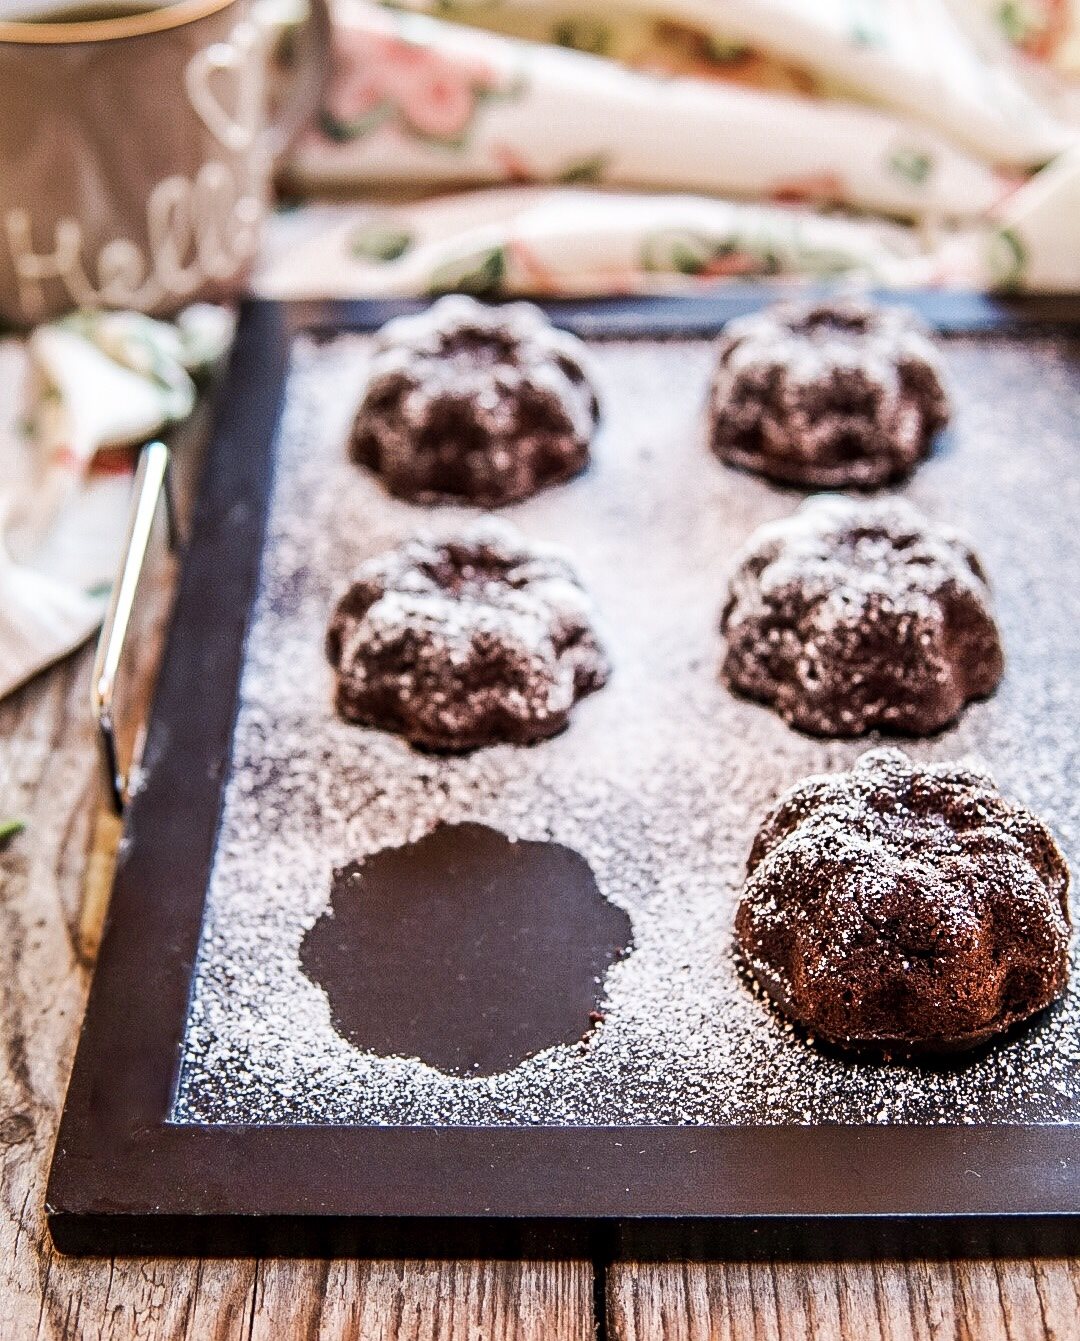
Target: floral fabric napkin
(572, 241)
(934, 113)
(76, 398)
(418, 100)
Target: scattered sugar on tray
(659, 782)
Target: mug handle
(311, 70)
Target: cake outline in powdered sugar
(828, 395)
(854, 614)
(475, 404)
(476, 639)
(905, 909)
(516, 938)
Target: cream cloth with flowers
(935, 113)
(74, 397)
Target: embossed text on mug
(198, 228)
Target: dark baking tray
(127, 1179)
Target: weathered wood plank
(48, 936)
(424, 1301)
(884, 1301)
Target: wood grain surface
(851, 1301)
(51, 902)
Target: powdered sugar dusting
(485, 609)
(660, 780)
(828, 394)
(817, 595)
(905, 905)
(475, 402)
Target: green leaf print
(9, 828)
(685, 252)
(341, 131)
(1015, 22)
(864, 24)
(591, 169)
(914, 165)
(1007, 259)
(583, 34)
(757, 245)
(480, 274)
(725, 51)
(380, 242)
(463, 10)
(678, 249)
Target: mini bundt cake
(475, 404)
(827, 395)
(853, 614)
(466, 642)
(905, 908)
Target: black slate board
(125, 1178)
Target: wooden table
(51, 881)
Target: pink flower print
(814, 186)
(422, 91)
(355, 92)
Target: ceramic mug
(136, 147)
